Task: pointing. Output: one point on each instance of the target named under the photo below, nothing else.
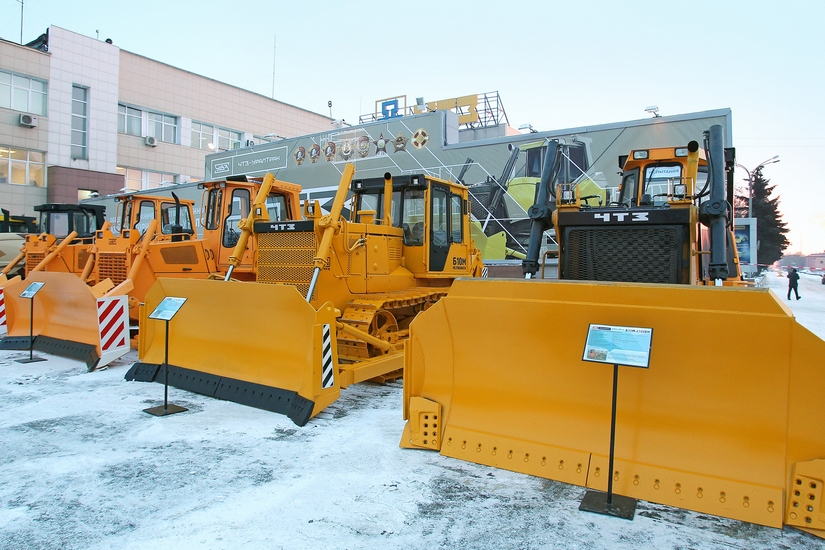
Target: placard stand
(629, 346)
(165, 311)
(29, 293)
(608, 503)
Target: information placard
(628, 346)
(31, 290)
(167, 308)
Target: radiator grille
(111, 266)
(180, 255)
(627, 254)
(32, 259)
(286, 258)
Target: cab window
(169, 217)
(629, 187)
(455, 219)
(238, 211)
(84, 223)
(660, 179)
(439, 217)
(123, 217)
(146, 213)
(57, 224)
(276, 208)
(375, 202)
(368, 202)
(213, 209)
(412, 217)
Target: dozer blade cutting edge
(268, 347)
(727, 420)
(69, 320)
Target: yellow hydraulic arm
(331, 226)
(256, 213)
(57, 250)
(129, 283)
(12, 264)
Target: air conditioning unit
(29, 121)
(150, 141)
(250, 143)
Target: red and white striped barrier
(3, 328)
(113, 323)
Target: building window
(22, 93)
(80, 109)
(128, 120)
(22, 167)
(156, 179)
(132, 179)
(137, 180)
(202, 135)
(227, 139)
(163, 127)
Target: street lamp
(774, 159)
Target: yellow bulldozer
(61, 245)
(727, 417)
(336, 303)
(153, 236)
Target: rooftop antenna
(274, 49)
(654, 110)
(21, 21)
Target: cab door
(238, 209)
(439, 248)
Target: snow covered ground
(81, 466)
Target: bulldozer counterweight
(717, 424)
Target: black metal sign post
(167, 309)
(609, 344)
(29, 293)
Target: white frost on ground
(81, 466)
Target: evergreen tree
(770, 229)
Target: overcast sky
(555, 64)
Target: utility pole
(751, 174)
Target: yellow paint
(458, 104)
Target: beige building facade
(80, 116)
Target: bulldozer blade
(730, 403)
(69, 320)
(281, 358)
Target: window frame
(80, 150)
(166, 124)
(10, 164)
(204, 138)
(124, 116)
(12, 82)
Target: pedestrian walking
(793, 283)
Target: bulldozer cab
(175, 219)
(431, 214)
(59, 220)
(652, 232)
(654, 177)
(226, 204)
